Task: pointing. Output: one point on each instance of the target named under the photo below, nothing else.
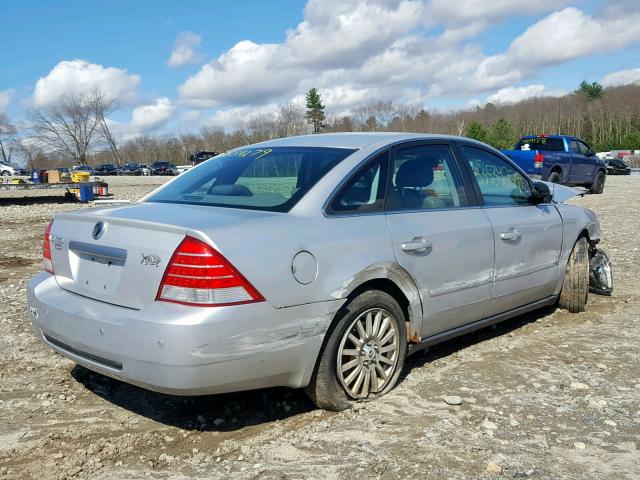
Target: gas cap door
(304, 267)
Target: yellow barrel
(79, 177)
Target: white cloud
(465, 19)
(361, 51)
(335, 37)
(622, 77)
(5, 98)
(185, 50)
(247, 73)
(562, 36)
(81, 77)
(238, 117)
(448, 12)
(152, 116)
(517, 94)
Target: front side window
(365, 191)
(271, 179)
(500, 183)
(424, 177)
(583, 148)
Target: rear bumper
(179, 349)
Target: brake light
(197, 274)
(538, 160)
(46, 249)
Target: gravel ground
(546, 395)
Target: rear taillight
(538, 160)
(199, 275)
(46, 249)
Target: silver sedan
(318, 261)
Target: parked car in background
(317, 261)
(84, 168)
(618, 167)
(130, 169)
(6, 169)
(144, 169)
(163, 168)
(197, 158)
(107, 169)
(183, 168)
(560, 159)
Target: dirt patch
(15, 262)
(546, 395)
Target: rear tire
(554, 177)
(351, 368)
(598, 184)
(575, 286)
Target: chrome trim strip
(99, 253)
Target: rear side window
(365, 191)
(541, 143)
(500, 183)
(424, 177)
(271, 179)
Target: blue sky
(178, 66)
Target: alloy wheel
(368, 353)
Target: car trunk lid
(119, 255)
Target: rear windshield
(260, 179)
(541, 143)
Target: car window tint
(500, 183)
(271, 179)
(541, 143)
(583, 149)
(424, 177)
(575, 148)
(365, 191)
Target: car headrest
(415, 173)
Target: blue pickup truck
(560, 159)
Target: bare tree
(30, 151)
(291, 120)
(7, 131)
(102, 108)
(67, 127)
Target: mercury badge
(151, 259)
(98, 230)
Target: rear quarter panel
(263, 251)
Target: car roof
(352, 139)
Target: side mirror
(540, 193)
(590, 153)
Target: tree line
(76, 130)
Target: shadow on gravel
(456, 344)
(202, 413)
(43, 200)
(237, 410)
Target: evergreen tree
(315, 110)
(477, 131)
(502, 135)
(590, 90)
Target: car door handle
(417, 245)
(511, 235)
